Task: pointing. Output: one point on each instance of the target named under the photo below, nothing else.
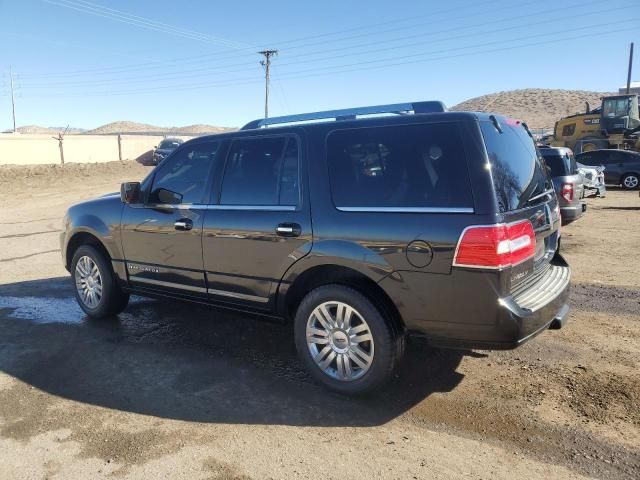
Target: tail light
(567, 191)
(495, 246)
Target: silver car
(568, 182)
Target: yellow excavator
(614, 124)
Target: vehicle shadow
(182, 361)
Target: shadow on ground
(181, 361)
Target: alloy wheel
(88, 281)
(631, 181)
(340, 341)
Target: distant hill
(134, 127)
(38, 130)
(539, 107)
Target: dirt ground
(170, 390)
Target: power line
(136, 20)
(192, 73)
(377, 59)
(324, 71)
(200, 58)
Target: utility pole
(13, 103)
(630, 67)
(266, 63)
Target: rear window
(559, 165)
(518, 170)
(405, 166)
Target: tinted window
(593, 158)
(517, 169)
(626, 157)
(399, 166)
(557, 165)
(183, 178)
(169, 144)
(261, 171)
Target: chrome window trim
(407, 209)
(267, 208)
(240, 296)
(161, 283)
(201, 206)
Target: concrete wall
(26, 149)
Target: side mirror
(130, 192)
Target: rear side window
(519, 173)
(399, 167)
(261, 172)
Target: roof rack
(351, 113)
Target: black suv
(621, 167)
(358, 230)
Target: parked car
(164, 148)
(568, 182)
(358, 230)
(594, 184)
(622, 167)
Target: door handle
(184, 224)
(289, 230)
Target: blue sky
(200, 66)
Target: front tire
(345, 342)
(95, 284)
(630, 181)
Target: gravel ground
(179, 391)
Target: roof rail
(350, 113)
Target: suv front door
(162, 238)
(259, 223)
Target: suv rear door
(523, 190)
(259, 220)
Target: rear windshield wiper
(540, 195)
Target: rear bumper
(479, 318)
(572, 213)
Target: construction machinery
(614, 124)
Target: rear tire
(630, 181)
(95, 284)
(345, 342)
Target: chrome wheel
(340, 341)
(88, 281)
(630, 181)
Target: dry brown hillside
(134, 127)
(539, 107)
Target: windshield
(169, 144)
(616, 107)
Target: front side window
(399, 166)
(183, 178)
(261, 172)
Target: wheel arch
(289, 298)
(84, 237)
